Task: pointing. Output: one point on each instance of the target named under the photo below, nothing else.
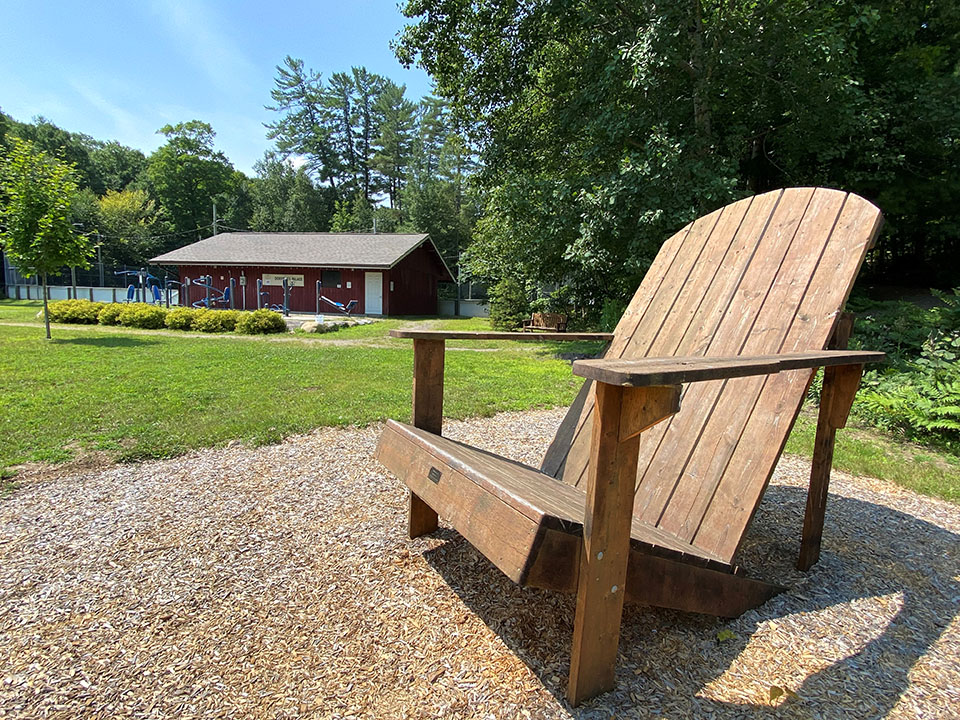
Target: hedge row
(153, 317)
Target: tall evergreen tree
(367, 119)
(341, 93)
(394, 143)
(306, 127)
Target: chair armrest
(528, 337)
(676, 370)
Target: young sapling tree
(36, 232)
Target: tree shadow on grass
(107, 341)
(571, 350)
(899, 574)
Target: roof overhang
(221, 263)
(206, 263)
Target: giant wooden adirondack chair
(720, 341)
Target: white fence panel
(96, 294)
(468, 308)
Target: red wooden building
(386, 273)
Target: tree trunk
(700, 75)
(46, 311)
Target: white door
(373, 293)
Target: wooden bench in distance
(556, 322)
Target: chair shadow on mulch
(869, 551)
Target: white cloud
(199, 35)
(128, 127)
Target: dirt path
(324, 339)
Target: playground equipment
(168, 286)
(345, 309)
(213, 296)
(146, 289)
(263, 298)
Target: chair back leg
(427, 415)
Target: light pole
(99, 258)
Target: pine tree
(306, 128)
(395, 140)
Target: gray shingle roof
(354, 250)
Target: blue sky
(121, 70)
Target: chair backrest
(764, 275)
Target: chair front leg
(621, 413)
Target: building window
(330, 278)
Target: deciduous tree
(35, 224)
(185, 175)
(127, 220)
(605, 126)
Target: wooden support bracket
(428, 415)
(840, 384)
(620, 415)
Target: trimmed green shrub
(181, 318)
(509, 307)
(215, 321)
(82, 312)
(141, 315)
(261, 322)
(110, 314)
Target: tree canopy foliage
(351, 153)
(36, 231)
(604, 126)
(186, 174)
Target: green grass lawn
(867, 451)
(138, 394)
(19, 310)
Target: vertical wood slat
(428, 356)
(692, 329)
(620, 415)
(649, 308)
(840, 385)
(557, 459)
(708, 458)
(774, 229)
(765, 433)
(701, 329)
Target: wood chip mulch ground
(277, 582)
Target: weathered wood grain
(665, 490)
(483, 335)
(572, 465)
(605, 550)
(666, 371)
(428, 415)
(765, 432)
(504, 535)
(666, 583)
(836, 398)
